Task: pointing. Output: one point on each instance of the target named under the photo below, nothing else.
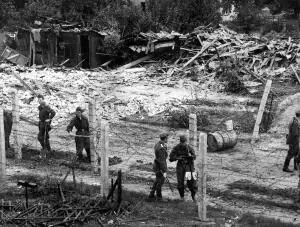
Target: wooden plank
(261, 111)
(23, 82)
(138, 61)
(163, 45)
(204, 48)
(201, 167)
(296, 74)
(12, 56)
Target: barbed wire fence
(217, 173)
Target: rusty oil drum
(221, 140)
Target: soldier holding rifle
(185, 156)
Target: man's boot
(286, 166)
(158, 194)
(194, 196)
(88, 153)
(80, 157)
(181, 193)
(151, 195)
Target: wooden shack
(72, 47)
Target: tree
(8, 14)
(184, 16)
(276, 6)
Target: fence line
(217, 167)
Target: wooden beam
(23, 82)
(296, 74)
(193, 131)
(138, 61)
(261, 111)
(204, 48)
(92, 121)
(104, 158)
(201, 167)
(15, 127)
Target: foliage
(120, 15)
(184, 16)
(276, 6)
(34, 9)
(248, 14)
(228, 74)
(8, 14)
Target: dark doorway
(85, 56)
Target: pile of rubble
(257, 57)
(65, 89)
(206, 50)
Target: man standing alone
(160, 166)
(82, 138)
(293, 142)
(46, 115)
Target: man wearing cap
(185, 156)
(82, 139)
(293, 142)
(160, 165)
(46, 114)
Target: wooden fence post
(92, 122)
(193, 131)
(16, 119)
(261, 111)
(201, 167)
(2, 138)
(104, 158)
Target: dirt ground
(244, 179)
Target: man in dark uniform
(185, 156)
(160, 165)
(82, 139)
(46, 115)
(293, 142)
(8, 121)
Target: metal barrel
(221, 140)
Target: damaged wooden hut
(68, 47)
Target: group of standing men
(80, 122)
(185, 156)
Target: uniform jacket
(81, 125)
(183, 149)
(45, 113)
(294, 131)
(161, 155)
